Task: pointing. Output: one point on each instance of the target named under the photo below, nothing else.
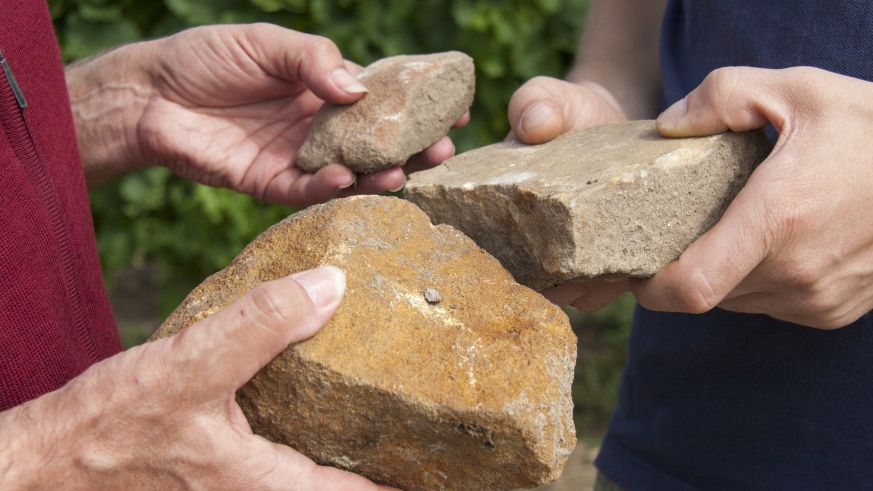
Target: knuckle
(830, 322)
(720, 86)
(269, 307)
(805, 74)
(822, 302)
(822, 305)
(535, 88)
(263, 26)
(139, 376)
(691, 301)
(721, 82)
(809, 87)
(321, 48)
(691, 294)
(142, 357)
(542, 81)
(695, 295)
(257, 30)
(799, 276)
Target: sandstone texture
(412, 102)
(610, 201)
(470, 392)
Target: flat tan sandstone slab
(439, 371)
(610, 201)
(412, 102)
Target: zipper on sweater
(13, 83)
(12, 118)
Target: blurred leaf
(85, 37)
(100, 13)
(269, 5)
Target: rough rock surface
(471, 393)
(610, 201)
(412, 102)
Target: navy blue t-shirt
(736, 401)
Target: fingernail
(325, 285)
(351, 183)
(670, 118)
(536, 115)
(400, 188)
(345, 81)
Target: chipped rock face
(471, 392)
(412, 102)
(609, 201)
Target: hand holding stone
(163, 415)
(231, 105)
(797, 241)
(439, 371)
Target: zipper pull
(10, 77)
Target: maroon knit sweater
(55, 318)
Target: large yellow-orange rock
(439, 371)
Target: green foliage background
(188, 231)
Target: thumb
(226, 349)
(738, 99)
(312, 60)
(545, 107)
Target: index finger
(712, 266)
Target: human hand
(163, 414)
(545, 107)
(797, 241)
(229, 106)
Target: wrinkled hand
(797, 241)
(163, 415)
(231, 105)
(539, 111)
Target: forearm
(109, 93)
(619, 51)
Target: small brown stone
(610, 201)
(472, 393)
(412, 102)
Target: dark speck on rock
(432, 295)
